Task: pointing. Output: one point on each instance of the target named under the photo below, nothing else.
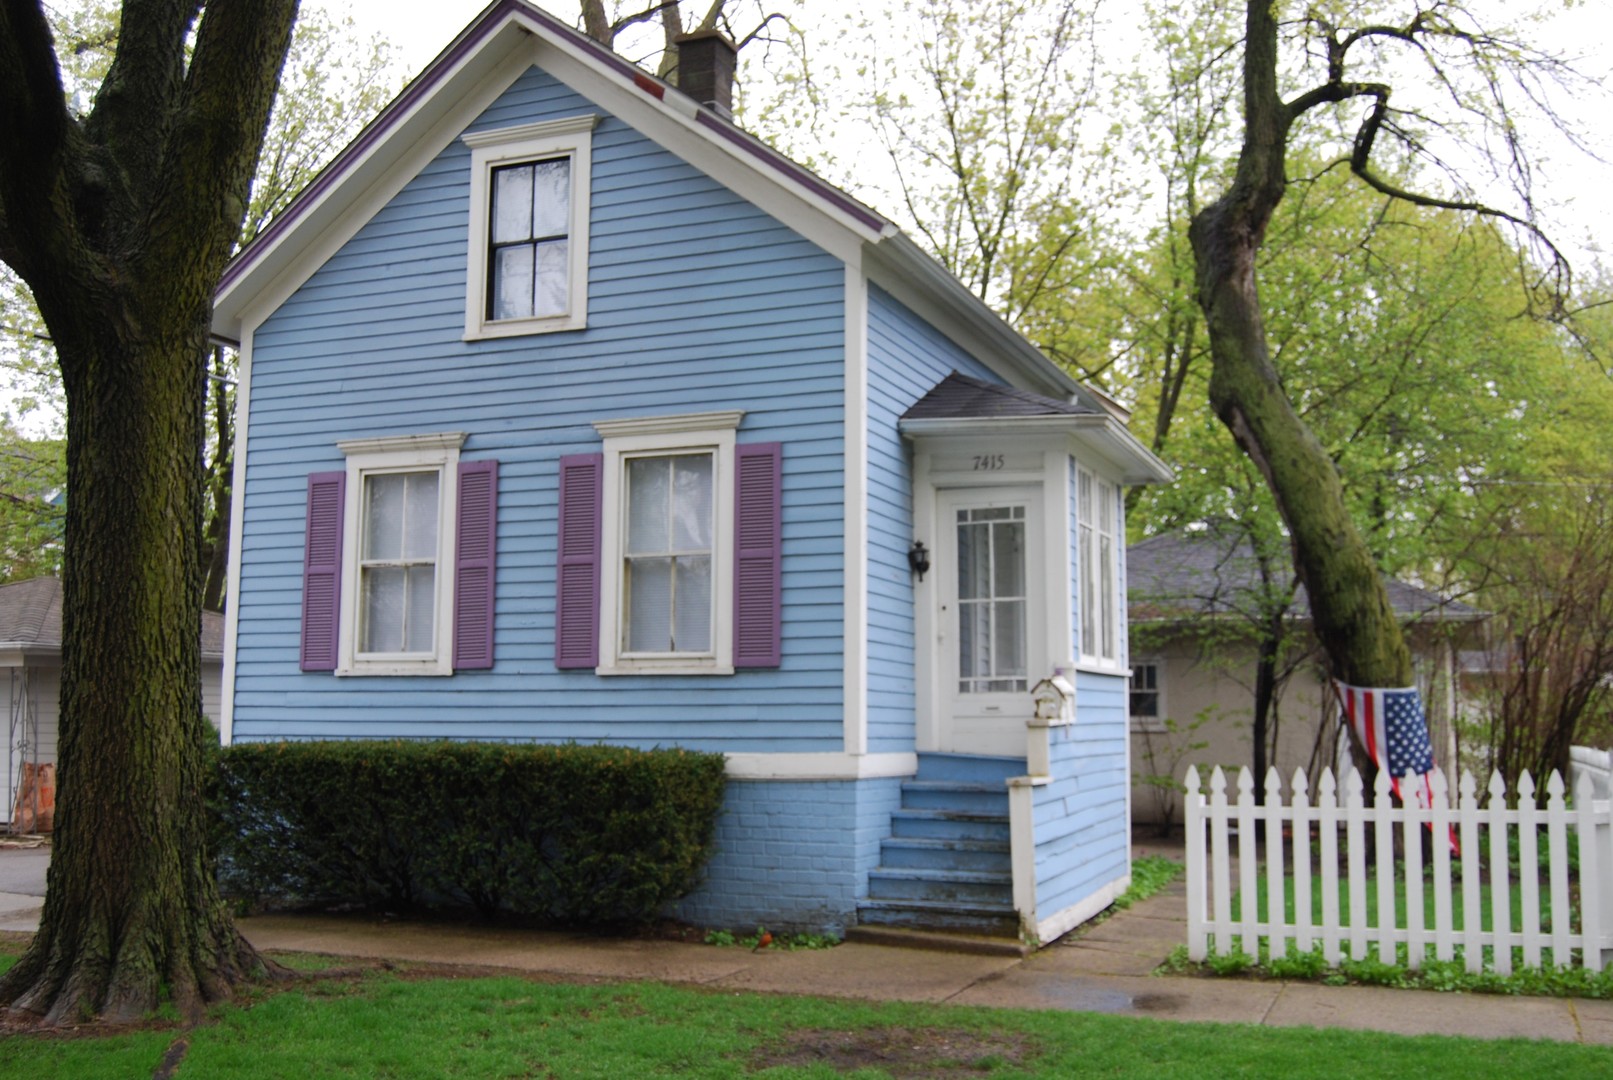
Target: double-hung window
(1147, 696)
(667, 544)
(527, 269)
(669, 548)
(669, 526)
(1098, 543)
(397, 584)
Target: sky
(1576, 182)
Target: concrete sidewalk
(1104, 968)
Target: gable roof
(959, 397)
(510, 36)
(31, 619)
(1201, 573)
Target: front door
(990, 618)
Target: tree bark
(1354, 622)
(121, 223)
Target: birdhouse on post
(1055, 700)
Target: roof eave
(1101, 431)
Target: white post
(1248, 864)
(1439, 817)
(1592, 891)
(1303, 922)
(1557, 833)
(1384, 837)
(1472, 921)
(1193, 818)
(1529, 869)
(1276, 880)
(1221, 854)
(1500, 886)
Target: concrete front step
(998, 920)
(925, 883)
(947, 825)
(955, 795)
(946, 854)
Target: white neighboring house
(31, 661)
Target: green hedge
(580, 834)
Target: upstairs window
(527, 271)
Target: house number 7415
(988, 462)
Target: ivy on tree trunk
(121, 221)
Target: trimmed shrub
(577, 834)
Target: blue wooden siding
(906, 357)
(697, 301)
(1082, 835)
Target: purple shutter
(576, 602)
(322, 570)
(475, 547)
(758, 499)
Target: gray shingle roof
(959, 397)
(1205, 572)
(31, 617)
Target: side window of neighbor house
(1147, 704)
(1098, 548)
(527, 268)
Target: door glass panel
(991, 600)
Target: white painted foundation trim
(820, 766)
(1056, 926)
(1022, 843)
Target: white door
(990, 619)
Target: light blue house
(569, 411)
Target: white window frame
(1096, 572)
(1153, 725)
(399, 454)
(549, 140)
(691, 433)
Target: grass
(411, 1025)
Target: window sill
(503, 328)
(431, 666)
(1147, 727)
(664, 667)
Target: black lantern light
(918, 558)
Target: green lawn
(392, 1026)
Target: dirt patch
(902, 1052)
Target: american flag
(1391, 726)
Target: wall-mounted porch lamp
(918, 559)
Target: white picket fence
(1335, 825)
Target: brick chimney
(706, 63)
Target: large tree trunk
(1354, 622)
(121, 223)
(131, 903)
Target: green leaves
(583, 834)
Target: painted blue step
(969, 768)
(924, 851)
(954, 795)
(964, 886)
(946, 825)
(996, 919)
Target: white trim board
(854, 643)
(820, 766)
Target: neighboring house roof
(500, 44)
(31, 619)
(1192, 574)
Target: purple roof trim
(436, 72)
